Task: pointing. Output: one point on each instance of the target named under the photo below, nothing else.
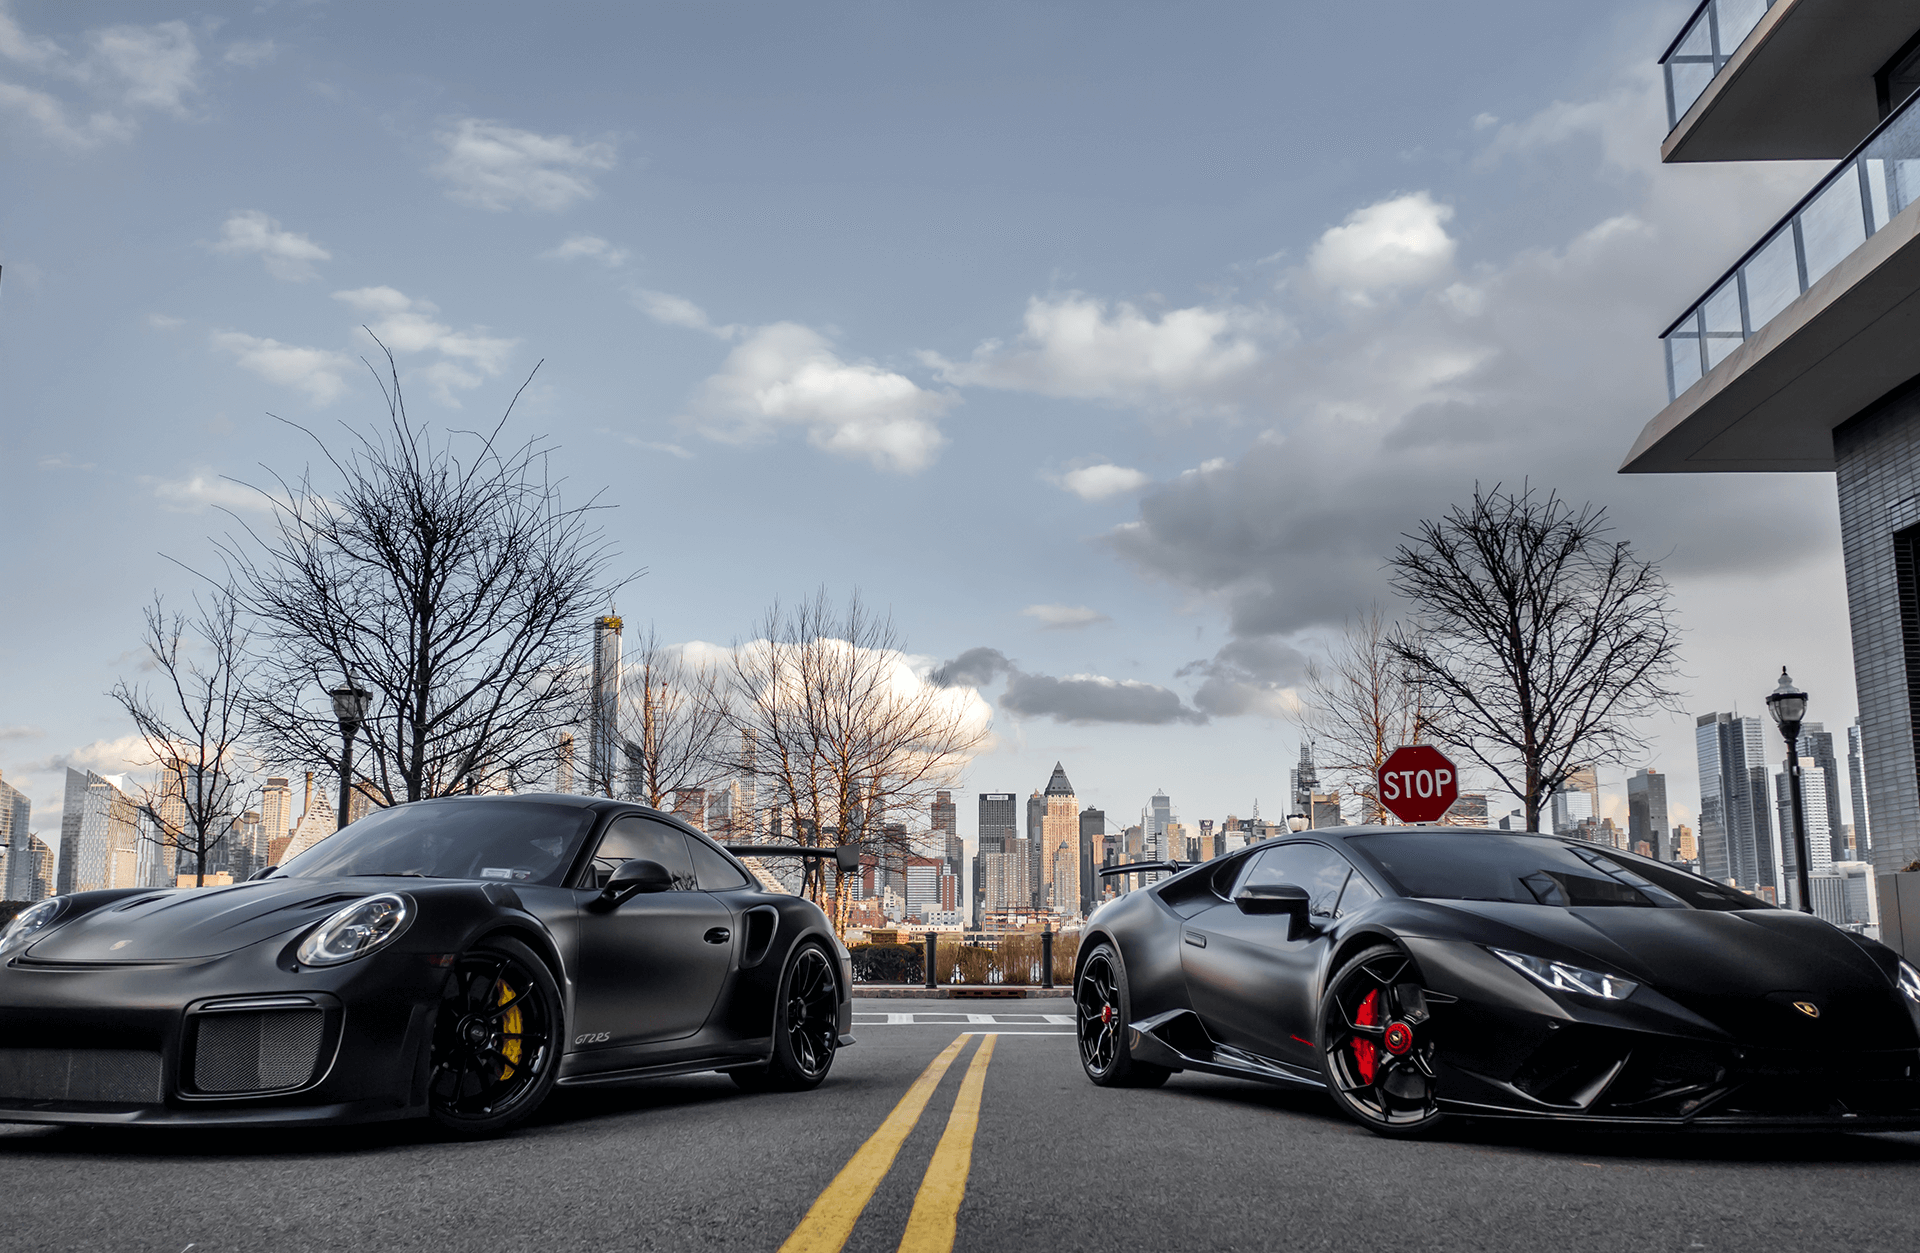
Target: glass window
(1831, 226)
(1773, 279)
(712, 870)
(1683, 356)
(1358, 895)
(1535, 870)
(641, 839)
(1721, 313)
(1315, 867)
(513, 841)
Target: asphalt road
(1055, 1164)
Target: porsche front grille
(107, 1076)
(265, 1050)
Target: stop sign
(1418, 783)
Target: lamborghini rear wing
(1138, 867)
(846, 857)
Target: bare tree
(1358, 707)
(1536, 639)
(672, 720)
(446, 576)
(193, 721)
(848, 740)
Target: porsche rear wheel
(806, 1027)
(1100, 1021)
(1376, 1044)
(494, 1056)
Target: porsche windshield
(512, 841)
(1535, 870)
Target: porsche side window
(630, 839)
(714, 872)
(1315, 867)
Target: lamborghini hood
(208, 922)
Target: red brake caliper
(1368, 1015)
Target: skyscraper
(16, 814)
(1736, 839)
(1305, 780)
(603, 714)
(1157, 818)
(1060, 844)
(563, 763)
(1569, 808)
(1856, 776)
(276, 808)
(1036, 828)
(1816, 742)
(946, 832)
(1647, 814)
(1093, 854)
(998, 816)
(100, 836)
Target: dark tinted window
(712, 870)
(641, 839)
(1315, 867)
(1533, 870)
(513, 841)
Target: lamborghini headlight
(357, 930)
(29, 923)
(1909, 981)
(1564, 978)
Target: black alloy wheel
(494, 1055)
(806, 1027)
(1376, 1044)
(1100, 1022)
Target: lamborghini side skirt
(1178, 1040)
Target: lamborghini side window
(713, 871)
(1358, 895)
(636, 838)
(1315, 867)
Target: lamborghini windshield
(513, 841)
(1536, 870)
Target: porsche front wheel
(806, 1027)
(1376, 1044)
(494, 1058)
(1100, 1021)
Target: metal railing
(1703, 48)
(1862, 194)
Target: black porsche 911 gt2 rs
(455, 959)
(1421, 974)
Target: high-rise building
(996, 827)
(923, 875)
(1647, 814)
(1468, 811)
(315, 825)
(16, 816)
(1857, 780)
(1060, 830)
(1736, 838)
(1816, 742)
(1814, 793)
(563, 763)
(100, 836)
(1156, 818)
(1093, 854)
(691, 803)
(1036, 830)
(1303, 780)
(1798, 359)
(946, 832)
(1685, 847)
(276, 807)
(1585, 779)
(603, 713)
(1569, 808)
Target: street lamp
(350, 706)
(1297, 822)
(1788, 705)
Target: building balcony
(1815, 323)
(1758, 80)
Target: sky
(1121, 341)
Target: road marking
(874, 1018)
(830, 1221)
(936, 1207)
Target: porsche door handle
(1194, 938)
(719, 935)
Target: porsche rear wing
(846, 857)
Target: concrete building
(1805, 356)
(1857, 787)
(1647, 814)
(1469, 811)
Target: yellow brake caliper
(509, 1027)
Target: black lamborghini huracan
(455, 959)
(1419, 974)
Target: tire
(495, 1052)
(1101, 1012)
(1376, 1045)
(806, 1026)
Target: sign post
(1417, 784)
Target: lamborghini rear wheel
(1100, 1015)
(1376, 1044)
(806, 1027)
(494, 1057)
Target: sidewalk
(957, 992)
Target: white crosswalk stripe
(955, 1018)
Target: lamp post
(1788, 705)
(350, 705)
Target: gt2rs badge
(1808, 1008)
(593, 1037)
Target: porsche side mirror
(634, 877)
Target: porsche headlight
(1564, 978)
(357, 930)
(1909, 981)
(30, 922)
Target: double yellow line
(936, 1207)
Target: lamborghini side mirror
(632, 878)
(1276, 898)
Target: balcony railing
(1705, 45)
(1861, 195)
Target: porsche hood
(187, 924)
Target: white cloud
(157, 66)
(787, 375)
(20, 732)
(591, 248)
(407, 326)
(198, 492)
(319, 372)
(164, 322)
(1400, 242)
(286, 255)
(1064, 617)
(126, 68)
(51, 116)
(1080, 347)
(679, 311)
(491, 166)
(250, 52)
(1097, 482)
